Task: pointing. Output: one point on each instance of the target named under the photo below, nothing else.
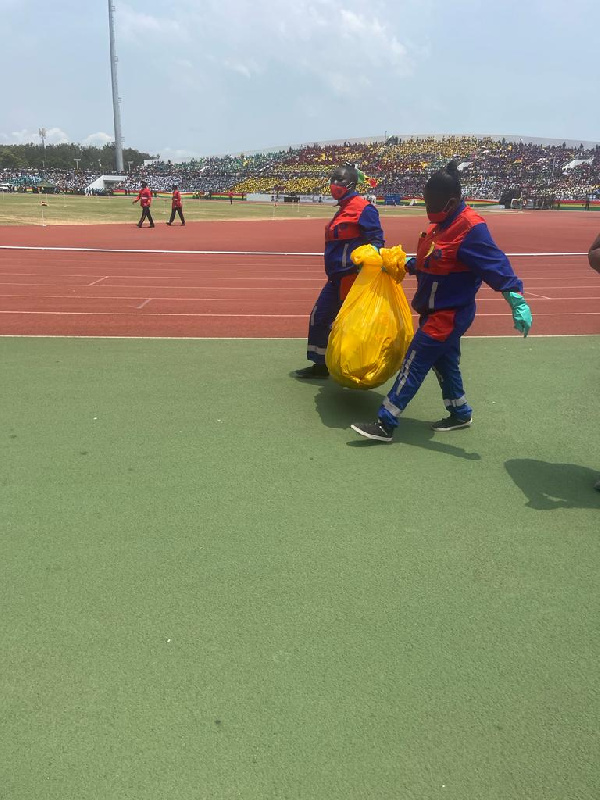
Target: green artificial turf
(27, 209)
(211, 588)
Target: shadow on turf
(549, 486)
(339, 407)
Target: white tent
(106, 182)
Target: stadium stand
(537, 174)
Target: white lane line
(568, 299)
(155, 314)
(259, 316)
(188, 299)
(226, 252)
(285, 297)
(145, 303)
(319, 281)
(140, 295)
(160, 252)
(36, 297)
(567, 287)
(514, 336)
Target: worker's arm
(594, 254)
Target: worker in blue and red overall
(454, 256)
(355, 223)
(176, 206)
(145, 200)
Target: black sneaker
(169, 223)
(314, 371)
(377, 431)
(452, 423)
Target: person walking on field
(594, 259)
(145, 200)
(356, 222)
(176, 206)
(454, 256)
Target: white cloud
(138, 26)
(320, 39)
(345, 85)
(97, 139)
(246, 68)
(381, 43)
(53, 136)
(177, 156)
(242, 75)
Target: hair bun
(452, 169)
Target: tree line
(68, 157)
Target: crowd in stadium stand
(71, 181)
(489, 168)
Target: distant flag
(362, 178)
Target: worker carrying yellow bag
(372, 332)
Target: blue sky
(213, 76)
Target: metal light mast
(115, 89)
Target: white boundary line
(223, 252)
(514, 336)
(214, 289)
(253, 316)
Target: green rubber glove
(520, 311)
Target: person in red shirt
(145, 199)
(230, 196)
(176, 206)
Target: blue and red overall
(355, 223)
(453, 258)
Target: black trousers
(146, 215)
(177, 211)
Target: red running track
(176, 294)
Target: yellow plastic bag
(372, 332)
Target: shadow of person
(414, 433)
(549, 486)
(339, 408)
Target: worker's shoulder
(471, 217)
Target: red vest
(145, 197)
(437, 251)
(344, 224)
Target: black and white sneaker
(452, 423)
(314, 371)
(377, 431)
